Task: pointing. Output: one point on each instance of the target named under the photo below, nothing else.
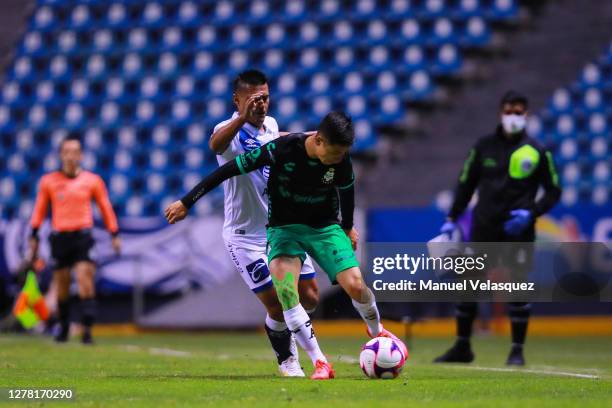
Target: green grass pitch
(236, 369)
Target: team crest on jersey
(523, 162)
(527, 165)
(328, 177)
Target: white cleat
(291, 368)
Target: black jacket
(507, 173)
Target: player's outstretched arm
(178, 210)
(243, 164)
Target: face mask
(513, 124)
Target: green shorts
(329, 246)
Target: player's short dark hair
(250, 77)
(68, 139)
(513, 97)
(337, 127)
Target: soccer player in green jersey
(310, 184)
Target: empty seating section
(144, 82)
(577, 124)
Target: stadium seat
(145, 82)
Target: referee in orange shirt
(70, 192)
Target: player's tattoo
(286, 291)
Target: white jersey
(246, 198)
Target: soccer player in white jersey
(246, 212)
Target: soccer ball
(382, 357)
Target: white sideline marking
(156, 351)
(343, 358)
(548, 371)
(530, 371)
(168, 352)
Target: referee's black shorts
(68, 248)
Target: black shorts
(68, 248)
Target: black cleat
(61, 336)
(516, 358)
(456, 354)
(86, 338)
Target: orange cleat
(323, 371)
(386, 333)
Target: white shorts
(252, 264)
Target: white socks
(274, 325)
(300, 325)
(369, 313)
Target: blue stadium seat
(503, 10)
(476, 33)
(591, 76)
(144, 82)
(465, 9)
(433, 8)
(561, 101)
(410, 31)
(443, 32)
(598, 124)
(601, 195)
(447, 60)
(600, 147)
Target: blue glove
(519, 221)
(448, 228)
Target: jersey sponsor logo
(250, 144)
(328, 177)
(247, 141)
(258, 270)
(342, 255)
(289, 167)
(489, 162)
(284, 192)
(299, 198)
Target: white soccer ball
(382, 357)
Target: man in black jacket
(507, 167)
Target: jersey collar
(512, 140)
(252, 130)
